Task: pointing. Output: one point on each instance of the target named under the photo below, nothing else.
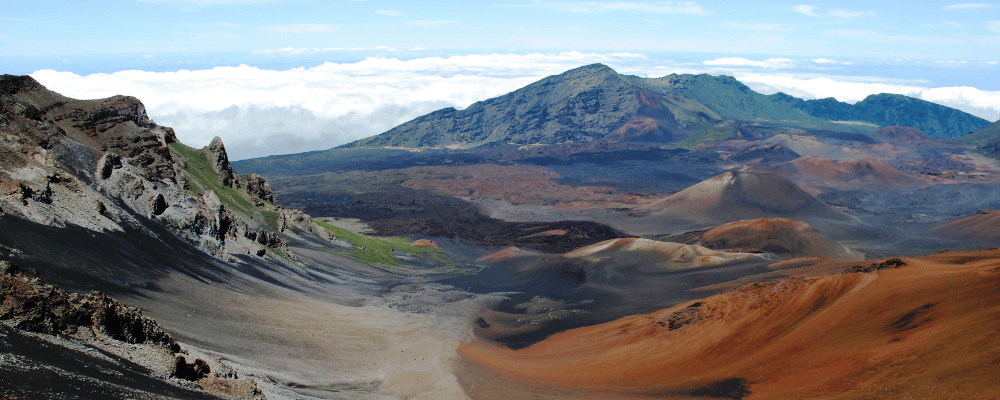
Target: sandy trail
(320, 345)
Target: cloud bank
(982, 103)
(261, 112)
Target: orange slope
(930, 329)
(782, 236)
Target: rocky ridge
(104, 165)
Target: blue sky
(896, 29)
(281, 76)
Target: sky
(286, 76)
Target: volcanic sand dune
(983, 227)
(868, 174)
(737, 195)
(929, 329)
(662, 255)
(640, 267)
(613, 260)
(782, 236)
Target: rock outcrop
(219, 160)
(256, 186)
(28, 303)
(104, 165)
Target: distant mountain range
(595, 103)
(886, 109)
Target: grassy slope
(207, 179)
(989, 134)
(374, 250)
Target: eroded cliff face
(104, 165)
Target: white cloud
(390, 13)
(301, 28)
(806, 9)
(993, 26)
(824, 61)
(655, 7)
(982, 103)
(967, 6)
(320, 107)
(739, 61)
(848, 14)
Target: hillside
(781, 236)
(885, 331)
(987, 139)
(886, 109)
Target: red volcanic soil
(425, 243)
(911, 136)
(507, 254)
(982, 228)
(870, 173)
(927, 329)
(517, 184)
(784, 237)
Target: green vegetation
(375, 250)
(207, 179)
(711, 133)
(270, 220)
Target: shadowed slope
(882, 334)
(983, 227)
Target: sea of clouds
(260, 111)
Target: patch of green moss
(709, 133)
(374, 250)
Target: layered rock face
(104, 165)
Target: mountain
(737, 195)
(592, 103)
(987, 139)
(595, 103)
(581, 105)
(886, 109)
